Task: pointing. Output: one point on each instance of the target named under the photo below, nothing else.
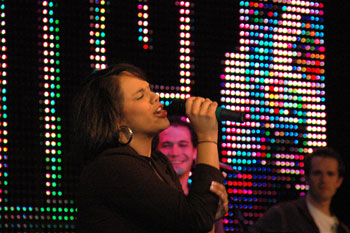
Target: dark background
(23, 57)
(338, 94)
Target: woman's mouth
(160, 112)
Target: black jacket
(121, 191)
(292, 216)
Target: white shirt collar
(325, 223)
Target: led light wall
(97, 34)
(185, 10)
(29, 214)
(144, 29)
(276, 76)
(3, 108)
(272, 69)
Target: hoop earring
(127, 132)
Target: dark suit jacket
(292, 216)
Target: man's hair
(181, 121)
(178, 121)
(325, 152)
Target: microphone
(177, 107)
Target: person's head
(112, 98)
(324, 172)
(178, 143)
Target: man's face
(175, 142)
(324, 178)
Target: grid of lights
(186, 12)
(49, 84)
(3, 108)
(97, 34)
(143, 25)
(60, 212)
(276, 76)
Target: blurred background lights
(275, 73)
(275, 80)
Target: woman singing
(127, 187)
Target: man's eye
(331, 173)
(139, 97)
(184, 143)
(166, 145)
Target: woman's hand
(220, 190)
(201, 112)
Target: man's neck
(322, 205)
(184, 182)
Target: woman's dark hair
(97, 109)
(326, 152)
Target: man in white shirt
(324, 172)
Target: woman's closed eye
(140, 96)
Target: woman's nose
(154, 97)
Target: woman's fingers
(201, 112)
(220, 190)
(199, 106)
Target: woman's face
(142, 111)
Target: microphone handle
(223, 114)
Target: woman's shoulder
(115, 158)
